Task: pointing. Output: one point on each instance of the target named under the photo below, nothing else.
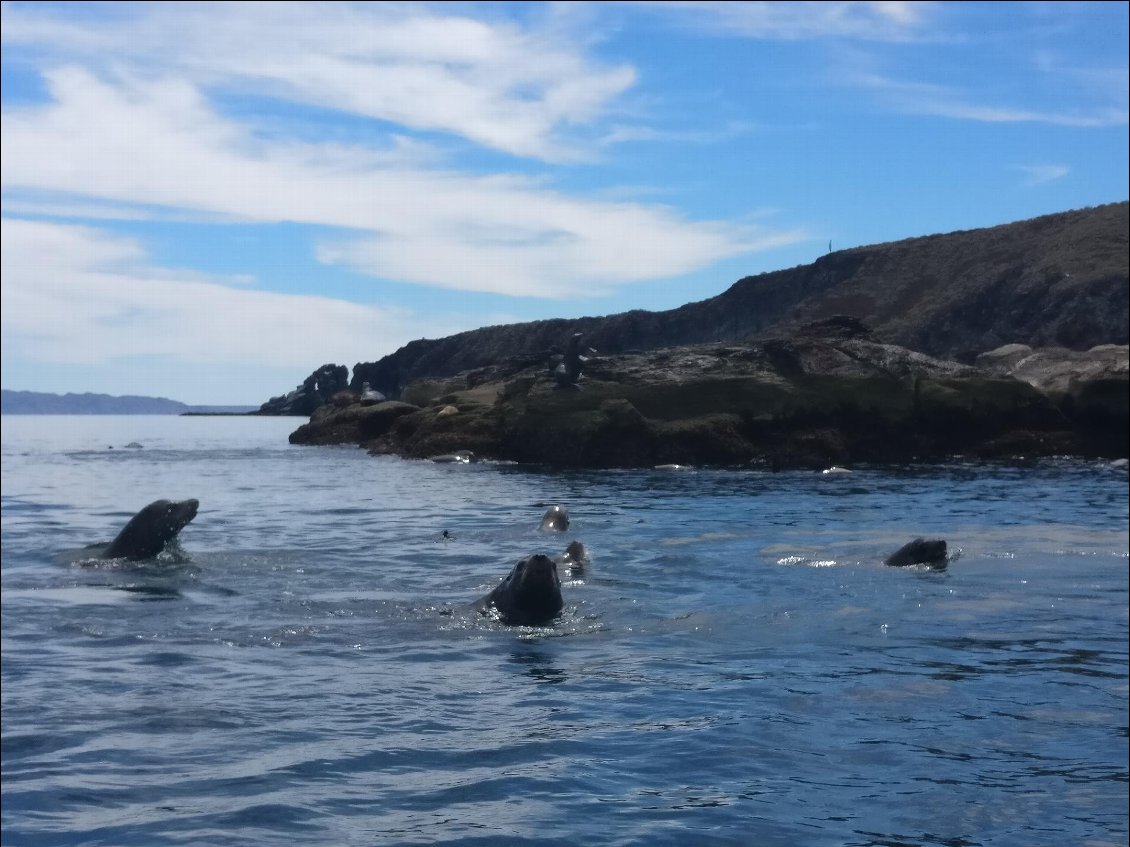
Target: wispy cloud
(1092, 97)
(942, 101)
(161, 144)
(400, 63)
(79, 295)
(626, 133)
(795, 21)
(1039, 174)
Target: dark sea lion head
(530, 594)
(920, 551)
(534, 577)
(152, 528)
(556, 519)
(576, 552)
(575, 558)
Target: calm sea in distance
(737, 666)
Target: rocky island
(998, 343)
(829, 394)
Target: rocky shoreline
(830, 394)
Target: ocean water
(736, 667)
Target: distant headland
(42, 403)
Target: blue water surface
(736, 667)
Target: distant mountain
(1056, 281)
(39, 403)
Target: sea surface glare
(736, 666)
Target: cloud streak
(160, 144)
(78, 295)
(942, 101)
(797, 21)
(393, 62)
(1041, 174)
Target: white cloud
(945, 102)
(795, 21)
(1096, 96)
(78, 295)
(160, 144)
(1039, 174)
(394, 62)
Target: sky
(207, 202)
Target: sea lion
(920, 551)
(459, 457)
(344, 399)
(575, 557)
(151, 529)
(555, 519)
(370, 396)
(530, 595)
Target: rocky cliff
(316, 390)
(830, 393)
(1055, 281)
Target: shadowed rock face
(151, 529)
(529, 596)
(317, 390)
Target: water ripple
(737, 665)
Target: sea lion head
(534, 576)
(152, 528)
(920, 551)
(531, 592)
(556, 519)
(168, 517)
(575, 553)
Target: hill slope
(1058, 280)
(41, 403)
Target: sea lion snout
(537, 569)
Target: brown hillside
(1058, 280)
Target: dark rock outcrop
(1092, 387)
(352, 424)
(1056, 281)
(317, 390)
(829, 394)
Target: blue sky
(207, 202)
